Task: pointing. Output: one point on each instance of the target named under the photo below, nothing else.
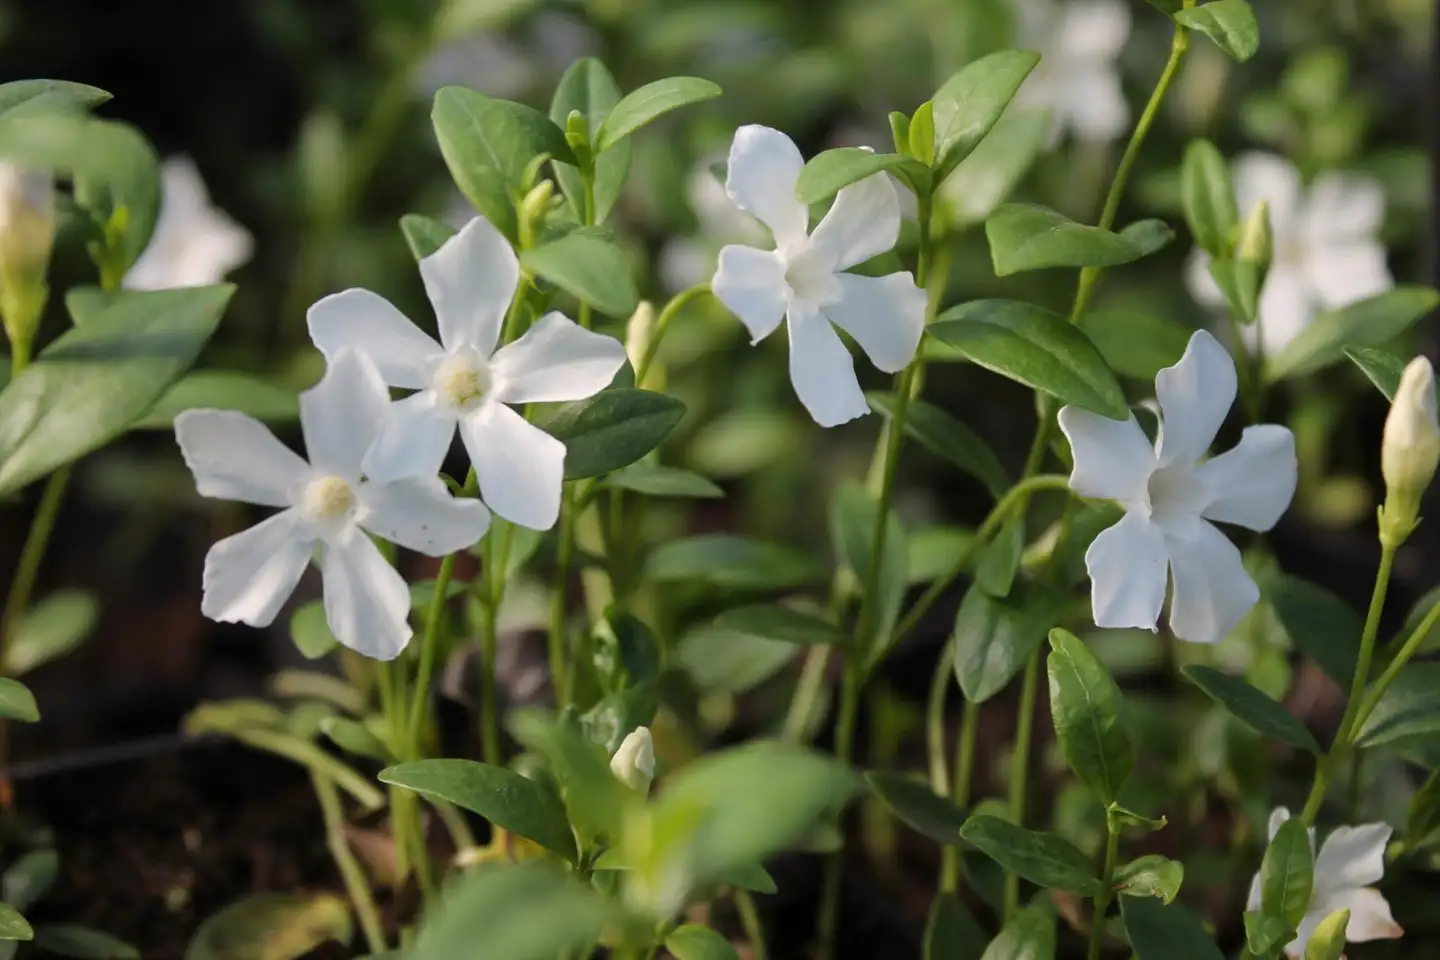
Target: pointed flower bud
(1409, 450)
(1256, 241)
(27, 218)
(639, 332)
(634, 761)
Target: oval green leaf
(1207, 197)
(611, 430)
(51, 629)
(1229, 23)
(994, 637)
(914, 803)
(1251, 707)
(641, 106)
(968, 104)
(1409, 708)
(1151, 876)
(1381, 366)
(830, 172)
(17, 702)
(1029, 936)
(13, 926)
(41, 95)
(588, 267)
(944, 436)
(1368, 323)
(223, 390)
(1089, 717)
(272, 924)
(83, 943)
(1161, 931)
(424, 235)
(785, 624)
(30, 878)
(1287, 873)
(951, 933)
(723, 560)
(654, 480)
(1041, 858)
(1026, 236)
(589, 88)
(695, 941)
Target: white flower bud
(1256, 241)
(634, 760)
(638, 333)
(27, 218)
(1409, 450)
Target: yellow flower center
(328, 498)
(461, 379)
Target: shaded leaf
(831, 171)
(1088, 712)
(1041, 858)
(83, 943)
(994, 638)
(1151, 876)
(951, 933)
(1026, 236)
(51, 629)
(424, 235)
(1161, 931)
(944, 436)
(588, 87)
(1366, 323)
(222, 390)
(734, 562)
(913, 802)
(1229, 23)
(1382, 367)
(1287, 873)
(653, 480)
(611, 430)
(17, 703)
(1030, 935)
(774, 621)
(695, 941)
(1208, 197)
(1251, 707)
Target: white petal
(1370, 917)
(1194, 394)
(822, 370)
(1342, 272)
(1352, 856)
(1343, 206)
(1212, 589)
(236, 458)
(413, 440)
(1201, 285)
(885, 315)
(249, 576)
(193, 243)
(1278, 816)
(471, 281)
(1092, 103)
(1286, 307)
(764, 165)
(1252, 484)
(556, 359)
(751, 283)
(341, 415)
(863, 222)
(367, 603)
(520, 467)
(1126, 564)
(370, 324)
(1094, 30)
(1113, 459)
(1265, 176)
(419, 514)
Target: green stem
(829, 923)
(356, 884)
(1020, 768)
(1412, 646)
(1249, 380)
(1107, 881)
(750, 921)
(935, 748)
(662, 323)
(564, 549)
(31, 555)
(950, 864)
(489, 714)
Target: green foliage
(1251, 707)
(1208, 198)
(911, 800)
(1161, 931)
(611, 430)
(735, 563)
(969, 104)
(1369, 323)
(853, 518)
(51, 629)
(950, 931)
(642, 106)
(995, 637)
(1030, 935)
(589, 267)
(945, 436)
(588, 87)
(1229, 23)
(694, 941)
(1382, 367)
(1287, 874)
(1088, 713)
(830, 172)
(1026, 236)
(1041, 858)
(284, 924)
(1150, 876)
(17, 702)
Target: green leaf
(618, 715)
(41, 95)
(1239, 283)
(630, 643)
(695, 941)
(1161, 931)
(17, 702)
(222, 390)
(1035, 347)
(1410, 707)
(1026, 236)
(28, 879)
(87, 301)
(1423, 819)
(911, 800)
(13, 926)
(995, 637)
(785, 624)
(853, 515)
(988, 177)
(592, 795)
(1089, 717)
(424, 235)
(508, 800)
(311, 631)
(532, 911)
(951, 933)
(1321, 624)
(749, 876)
(718, 660)
(1327, 941)
(968, 104)
(1367, 323)
(1251, 707)
(654, 480)
(1230, 23)
(998, 562)
(641, 106)
(1208, 198)
(1148, 236)
(944, 436)
(1381, 366)
(588, 267)
(932, 552)
(355, 738)
(51, 629)
(1137, 345)
(1167, 7)
(1151, 876)
(919, 139)
(611, 430)
(93, 382)
(82, 943)
(830, 172)
(1287, 873)
(1041, 858)
(272, 924)
(589, 88)
(1264, 935)
(1029, 936)
(733, 562)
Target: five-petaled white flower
(802, 280)
(1325, 253)
(194, 244)
(1350, 859)
(327, 506)
(1170, 496)
(465, 381)
(1077, 79)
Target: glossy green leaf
(1088, 712)
(951, 933)
(718, 660)
(1367, 323)
(95, 381)
(988, 177)
(920, 134)
(1030, 935)
(592, 795)
(1229, 23)
(1026, 236)
(42, 95)
(1035, 347)
(654, 480)
(944, 436)
(51, 629)
(785, 624)
(1265, 934)
(17, 702)
(831, 171)
(1137, 345)
(639, 107)
(1161, 931)
(737, 563)
(355, 738)
(994, 638)
(1381, 366)
(1287, 873)
(30, 878)
(13, 926)
(588, 87)
(223, 390)
(1151, 876)
(1327, 941)
(1409, 708)
(311, 632)
(1041, 858)
(272, 924)
(590, 268)
(82, 943)
(611, 430)
(1239, 283)
(424, 235)
(913, 802)
(853, 516)
(1322, 625)
(968, 105)
(1251, 707)
(1208, 197)
(695, 941)
(998, 563)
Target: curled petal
(1212, 589)
(1341, 273)
(1352, 856)
(249, 576)
(885, 315)
(470, 281)
(822, 370)
(1126, 564)
(1252, 484)
(520, 467)
(863, 222)
(419, 514)
(370, 324)
(1113, 458)
(234, 457)
(751, 284)
(764, 165)
(367, 603)
(341, 415)
(556, 359)
(1195, 394)
(413, 439)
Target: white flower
(1410, 447)
(327, 506)
(802, 280)
(27, 217)
(1350, 859)
(686, 261)
(1076, 78)
(194, 243)
(464, 381)
(1170, 497)
(634, 760)
(1325, 252)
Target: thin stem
(662, 323)
(935, 747)
(564, 549)
(1020, 768)
(750, 921)
(489, 714)
(895, 440)
(950, 872)
(356, 884)
(1107, 881)
(1392, 671)
(36, 541)
(844, 746)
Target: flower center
(462, 379)
(327, 499)
(1173, 493)
(812, 278)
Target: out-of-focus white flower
(1077, 78)
(1170, 498)
(1324, 253)
(327, 507)
(194, 244)
(1350, 860)
(634, 760)
(687, 261)
(501, 65)
(803, 279)
(27, 218)
(464, 381)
